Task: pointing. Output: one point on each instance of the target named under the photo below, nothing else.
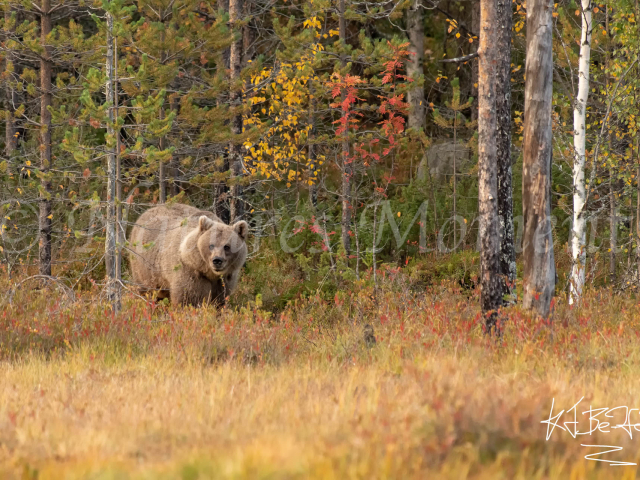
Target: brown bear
(186, 254)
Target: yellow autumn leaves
(281, 110)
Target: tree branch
(466, 58)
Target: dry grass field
(163, 392)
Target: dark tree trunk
(346, 165)
(503, 143)
(221, 193)
(638, 206)
(613, 228)
(220, 188)
(248, 36)
(226, 53)
(475, 26)
(613, 224)
(491, 294)
(415, 96)
(539, 266)
(11, 138)
(236, 205)
(45, 141)
(162, 170)
(162, 180)
(313, 189)
(637, 171)
(175, 163)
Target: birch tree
(578, 234)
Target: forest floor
(297, 392)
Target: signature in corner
(597, 423)
(613, 448)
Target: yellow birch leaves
(280, 109)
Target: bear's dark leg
(218, 293)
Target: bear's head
(222, 247)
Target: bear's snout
(218, 263)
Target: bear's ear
(242, 229)
(205, 223)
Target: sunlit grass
(164, 392)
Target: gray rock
(438, 160)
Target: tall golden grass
(165, 392)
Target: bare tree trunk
(220, 188)
(162, 167)
(539, 265)
(248, 36)
(637, 179)
(355, 232)
(226, 53)
(162, 174)
(346, 166)
(11, 139)
(432, 184)
(113, 282)
(313, 189)
(613, 221)
(455, 182)
(346, 198)
(475, 26)
(373, 251)
(415, 96)
(236, 207)
(638, 205)
(175, 164)
(491, 294)
(613, 227)
(503, 144)
(45, 141)
(120, 228)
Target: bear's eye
(227, 248)
(211, 247)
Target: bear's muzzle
(218, 264)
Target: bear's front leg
(177, 293)
(201, 290)
(184, 291)
(218, 293)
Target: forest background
(331, 127)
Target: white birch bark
(579, 237)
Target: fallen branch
(68, 292)
(466, 58)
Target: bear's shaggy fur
(186, 254)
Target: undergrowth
(284, 382)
